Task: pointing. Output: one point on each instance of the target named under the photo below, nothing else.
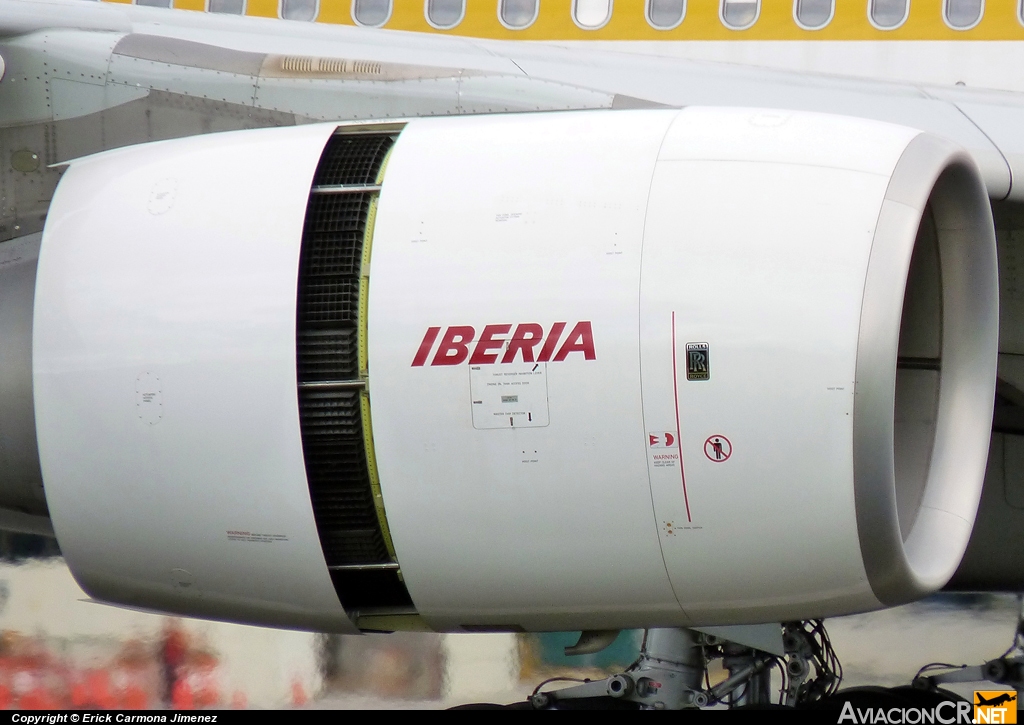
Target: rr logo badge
(698, 366)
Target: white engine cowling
(625, 368)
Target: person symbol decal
(717, 448)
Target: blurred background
(60, 649)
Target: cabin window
(154, 3)
(517, 14)
(665, 14)
(299, 9)
(962, 14)
(445, 14)
(228, 7)
(371, 13)
(739, 14)
(813, 14)
(591, 14)
(888, 14)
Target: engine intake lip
(904, 565)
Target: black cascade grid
(334, 228)
(353, 160)
(326, 354)
(327, 350)
(339, 484)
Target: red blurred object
(80, 696)
(135, 698)
(181, 696)
(37, 699)
(99, 691)
(239, 701)
(135, 676)
(299, 697)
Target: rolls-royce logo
(698, 364)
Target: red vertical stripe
(679, 438)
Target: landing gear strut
(672, 673)
(667, 675)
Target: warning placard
(663, 448)
(509, 396)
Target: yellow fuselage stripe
(554, 22)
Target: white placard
(509, 396)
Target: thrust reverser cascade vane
(588, 370)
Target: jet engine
(586, 370)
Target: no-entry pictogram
(717, 448)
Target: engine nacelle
(625, 368)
